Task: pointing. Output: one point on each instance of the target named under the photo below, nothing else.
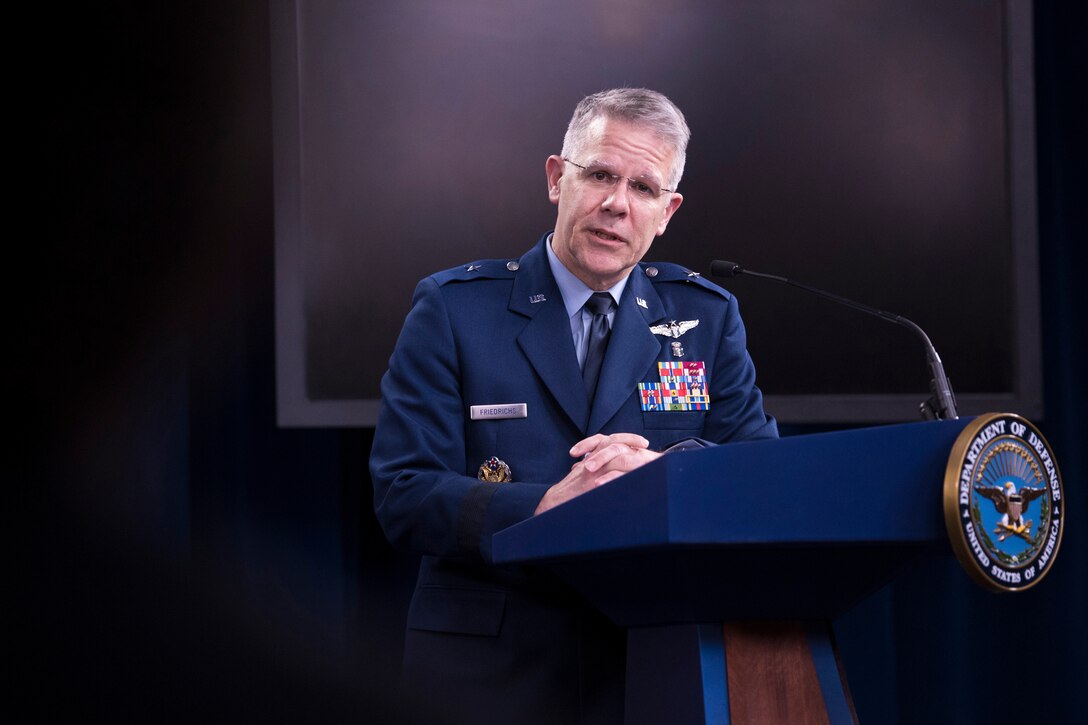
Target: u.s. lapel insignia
(673, 328)
(683, 386)
(536, 299)
(494, 470)
(641, 303)
(473, 268)
(677, 350)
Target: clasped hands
(601, 458)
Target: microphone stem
(943, 399)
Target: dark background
(186, 559)
(876, 149)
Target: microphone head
(721, 268)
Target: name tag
(498, 411)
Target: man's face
(601, 232)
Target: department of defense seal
(1003, 502)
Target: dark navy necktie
(599, 305)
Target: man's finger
(594, 442)
(599, 458)
(627, 459)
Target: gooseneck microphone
(941, 405)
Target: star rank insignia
(674, 328)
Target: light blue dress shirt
(575, 293)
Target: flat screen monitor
(883, 151)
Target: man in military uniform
(519, 384)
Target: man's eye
(600, 176)
(644, 189)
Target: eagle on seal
(1012, 504)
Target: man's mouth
(601, 234)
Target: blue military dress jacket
(496, 333)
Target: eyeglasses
(598, 178)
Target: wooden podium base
(737, 673)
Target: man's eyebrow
(605, 166)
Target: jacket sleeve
(425, 497)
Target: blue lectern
(727, 564)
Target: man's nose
(619, 197)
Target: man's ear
(674, 203)
(553, 167)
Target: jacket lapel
(632, 349)
(546, 339)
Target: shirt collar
(574, 291)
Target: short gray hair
(635, 105)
